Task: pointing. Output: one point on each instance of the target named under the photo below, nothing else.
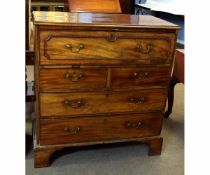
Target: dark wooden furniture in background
(127, 6)
(107, 6)
(26, 24)
(29, 54)
(100, 78)
(29, 60)
(95, 6)
(51, 4)
(177, 77)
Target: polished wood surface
(100, 78)
(49, 1)
(178, 71)
(42, 156)
(60, 80)
(75, 47)
(84, 129)
(97, 19)
(154, 145)
(126, 6)
(95, 6)
(177, 77)
(91, 79)
(61, 104)
(137, 77)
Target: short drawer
(70, 104)
(59, 80)
(136, 77)
(99, 128)
(88, 47)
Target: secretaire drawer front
(99, 128)
(59, 80)
(70, 104)
(81, 47)
(135, 77)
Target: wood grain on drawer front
(60, 104)
(72, 79)
(99, 128)
(135, 77)
(88, 47)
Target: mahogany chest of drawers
(100, 78)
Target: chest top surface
(100, 19)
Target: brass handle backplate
(141, 74)
(72, 131)
(136, 99)
(143, 50)
(75, 50)
(133, 124)
(112, 37)
(74, 103)
(74, 77)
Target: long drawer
(70, 104)
(99, 128)
(100, 47)
(56, 79)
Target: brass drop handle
(133, 124)
(77, 130)
(72, 131)
(75, 50)
(112, 38)
(66, 129)
(138, 125)
(74, 77)
(141, 74)
(80, 76)
(146, 50)
(146, 74)
(136, 99)
(68, 76)
(128, 124)
(67, 102)
(74, 103)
